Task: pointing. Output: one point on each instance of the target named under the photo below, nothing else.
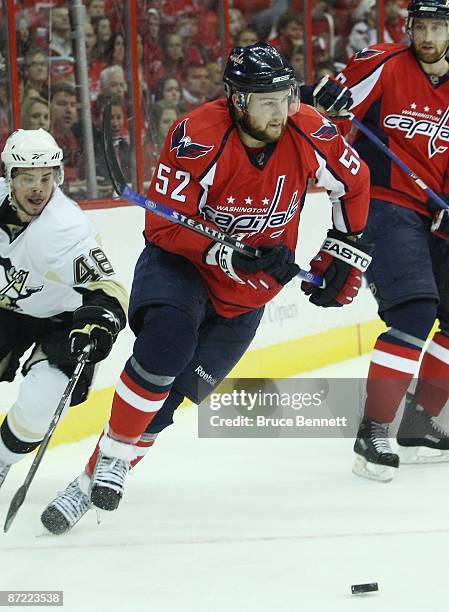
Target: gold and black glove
(93, 325)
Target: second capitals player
(401, 93)
(241, 165)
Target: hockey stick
(119, 183)
(383, 147)
(22, 491)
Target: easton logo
(184, 145)
(366, 54)
(326, 132)
(424, 127)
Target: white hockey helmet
(32, 149)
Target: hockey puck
(357, 589)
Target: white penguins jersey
(42, 266)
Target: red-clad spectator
(35, 114)
(61, 49)
(246, 37)
(120, 137)
(168, 89)
(103, 32)
(144, 89)
(152, 60)
(195, 86)
(236, 24)
(358, 39)
(115, 52)
(395, 23)
(166, 20)
(36, 73)
(61, 35)
(113, 82)
(187, 30)
(90, 39)
(162, 115)
(209, 32)
(215, 89)
(174, 59)
(95, 8)
(296, 60)
(95, 66)
(173, 9)
(64, 115)
(23, 35)
(250, 7)
(290, 34)
(115, 11)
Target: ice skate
(108, 481)
(4, 469)
(374, 457)
(68, 507)
(421, 439)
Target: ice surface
(233, 525)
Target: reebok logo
(205, 376)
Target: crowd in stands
(180, 55)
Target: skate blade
(421, 455)
(372, 471)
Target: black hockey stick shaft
(121, 187)
(22, 491)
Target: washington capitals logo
(365, 54)
(434, 131)
(328, 131)
(184, 145)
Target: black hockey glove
(440, 224)
(332, 97)
(278, 261)
(275, 266)
(341, 263)
(96, 325)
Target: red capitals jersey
(409, 111)
(206, 172)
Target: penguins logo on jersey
(14, 287)
(366, 54)
(184, 145)
(326, 132)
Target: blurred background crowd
(179, 51)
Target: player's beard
(256, 133)
(432, 57)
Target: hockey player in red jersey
(241, 165)
(401, 93)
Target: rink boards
(294, 335)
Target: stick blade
(14, 506)
(117, 179)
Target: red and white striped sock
(432, 390)
(143, 446)
(133, 409)
(391, 369)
